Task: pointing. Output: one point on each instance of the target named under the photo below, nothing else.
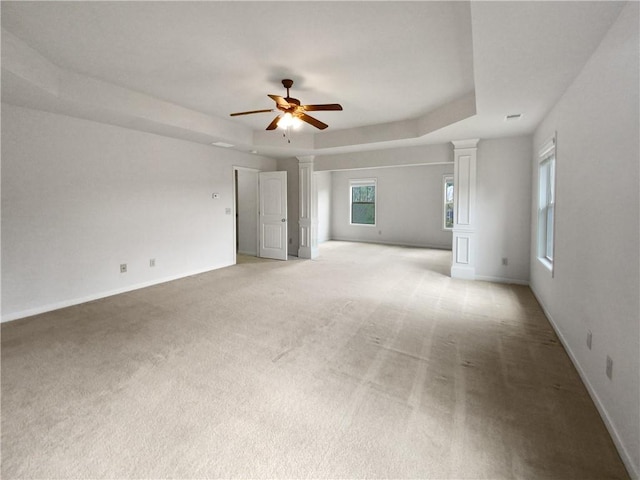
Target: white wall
(596, 280)
(247, 212)
(79, 198)
(408, 211)
(323, 183)
(418, 155)
(503, 205)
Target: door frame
(234, 209)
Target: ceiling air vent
(513, 116)
(222, 144)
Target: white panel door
(273, 215)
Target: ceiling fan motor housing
(293, 101)
(288, 83)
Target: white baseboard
(380, 242)
(513, 281)
(632, 469)
(76, 301)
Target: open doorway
(260, 214)
(245, 181)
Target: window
(447, 189)
(546, 202)
(363, 201)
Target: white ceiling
(399, 63)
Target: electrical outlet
(152, 262)
(505, 261)
(227, 211)
(609, 367)
(123, 268)
(589, 339)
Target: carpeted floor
(368, 362)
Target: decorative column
(463, 260)
(308, 209)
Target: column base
(307, 252)
(465, 273)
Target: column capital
(306, 158)
(469, 143)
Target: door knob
(284, 219)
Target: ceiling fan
(293, 110)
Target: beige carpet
(369, 362)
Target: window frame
(445, 179)
(363, 182)
(547, 162)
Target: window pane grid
(364, 213)
(549, 233)
(546, 205)
(365, 194)
(363, 203)
(448, 202)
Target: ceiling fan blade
(280, 101)
(274, 124)
(312, 121)
(249, 113)
(326, 106)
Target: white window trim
(446, 177)
(547, 151)
(363, 182)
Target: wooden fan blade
(280, 101)
(274, 124)
(249, 113)
(312, 121)
(326, 106)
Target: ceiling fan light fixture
(285, 121)
(288, 121)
